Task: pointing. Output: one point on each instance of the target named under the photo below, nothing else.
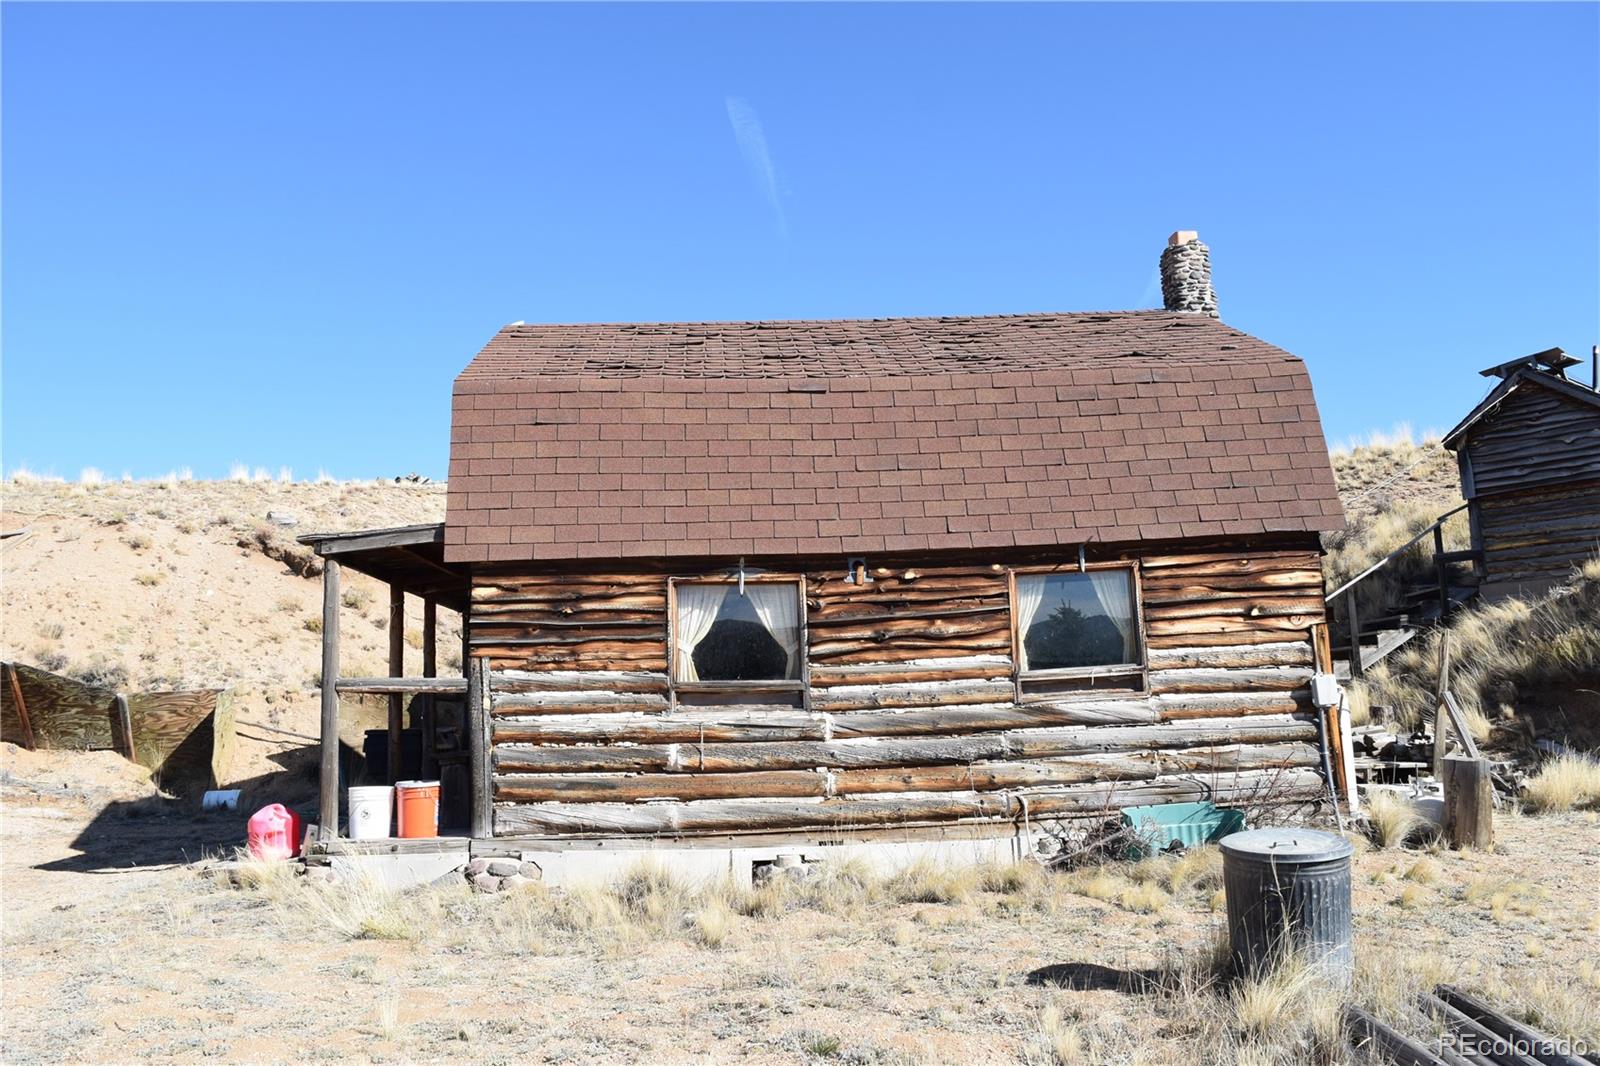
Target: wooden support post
(1468, 803)
(1355, 634)
(477, 722)
(122, 727)
(1440, 571)
(328, 805)
(28, 740)
(397, 668)
(430, 646)
(1441, 716)
(1322, 662)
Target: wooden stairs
(1374, 631)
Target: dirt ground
(116, 949)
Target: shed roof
(1508, 385)
(812, 437)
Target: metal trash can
(1289, 889)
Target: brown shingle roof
(777, 438)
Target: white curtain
(698, 606)
(1115, 593)
(778, 607)
(1030, 597)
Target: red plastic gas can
(275, 832)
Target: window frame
(801, 684)
(1138, 671)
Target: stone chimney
(1186, 275)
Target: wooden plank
(974, 777)
(1367, 1032)
(1477, 1043)
(328, 777)
(21, 707)
(1441, 716)
(1216, 679)
(330, 546)
(1231, 656)
(122, 727)
(892, 751)
(384, 686)
(911, 694)
(1458, 718)
(1539, 1045)
(508, 681)
(181, 736)
(733, 816)
(64, 714)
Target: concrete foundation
(402, 870)
(570, 866)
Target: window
(723, 638)
(1077, 631)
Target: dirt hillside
(172, 585)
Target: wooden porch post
(478, 752)
(328, 804)
(397, 668)
(430, 648)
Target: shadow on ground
(165, 830)
(1093, 977)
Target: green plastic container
(1192, 824)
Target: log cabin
(1529, 455)
(801, 583)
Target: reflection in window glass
(721, 635)
(1074, 620)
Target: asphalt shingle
(775, 438)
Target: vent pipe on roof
(1186, 275)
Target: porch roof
(411, 557)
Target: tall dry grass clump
(1498, 649)
(1563, 783)
(1392, 819)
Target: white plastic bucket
(371, 811)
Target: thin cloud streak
(753, 146)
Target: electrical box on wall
(1325, 690)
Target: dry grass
(928, 882)
(1563, 783)
(1391, 819)
(828, 964)
(1359, 700)
(1062, 1039)
(1496, 649)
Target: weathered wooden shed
(797, 582)
(1530, 471)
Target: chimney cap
(1183, 236)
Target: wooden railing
(1441, 564)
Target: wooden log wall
(911, 717)
(1535, 537)
(1537, 437)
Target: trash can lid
(1289, 845)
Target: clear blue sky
(274, 233)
